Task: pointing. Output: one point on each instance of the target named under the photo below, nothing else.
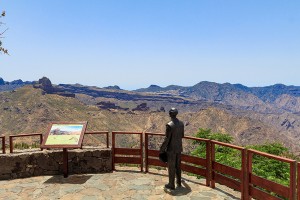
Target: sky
(136, 43)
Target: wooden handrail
(11, 146)
(227, 145)
(99, 133)
(126, 132)
(271, 156)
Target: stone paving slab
(125, 183)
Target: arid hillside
(28, 110)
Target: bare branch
(3, 32)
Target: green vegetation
(270, 169)
(23, 145)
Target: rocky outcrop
(141, 107)
(37, 163)
(115, 87)
(46, 85)
(17, 82)
(109, 106)
(2, 81)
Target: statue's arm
(182, 130)
(165, 143)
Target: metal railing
(11, 137)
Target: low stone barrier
(50, 162)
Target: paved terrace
(124, 183)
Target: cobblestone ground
(125, 183)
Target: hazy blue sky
(137, 43)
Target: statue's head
(173, 112)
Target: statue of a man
(173, 146)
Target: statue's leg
(171, 169)
(178, 169)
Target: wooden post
(141, 151)
(107, 140)
(11, 147)
(208, 163)
(113, 151)
(293, 181)
(245, 176)
(249, 163)
(41, 141)
(65, 162)
(146, 152)
(212, 166)
(298, 181)
(3, 144)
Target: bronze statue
(173, 146)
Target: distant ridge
(8, 86)
(276, 98)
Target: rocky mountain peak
(17, 82)
(45, 84)
(2, 81)
(115, 87)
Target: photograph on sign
(64, 134)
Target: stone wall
(50, 162)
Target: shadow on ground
(228, 194)
(180, 191)
(73, 179)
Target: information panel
(64, 135)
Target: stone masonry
(50, 162)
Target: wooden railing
(243, 180)
(3, 143)
(189, 163)
(256, 181)
(219, 170)
(11, 137)
(238, 179)
(128, 155)
(99, 133)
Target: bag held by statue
(163, 156)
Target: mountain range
(251, 115)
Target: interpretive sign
(64, 135)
